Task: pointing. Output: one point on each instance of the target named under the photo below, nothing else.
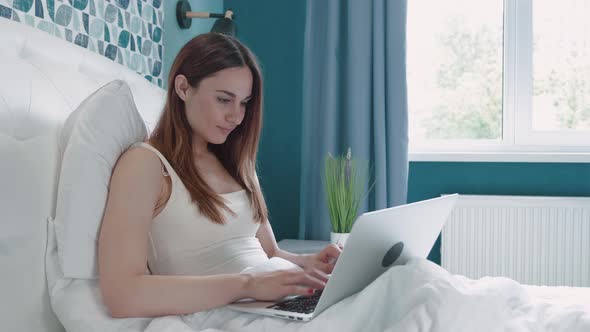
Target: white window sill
(504, 157)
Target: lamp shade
(225, 26)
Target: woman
(185, 213)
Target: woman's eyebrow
(231, 94)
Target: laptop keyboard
(300, 304)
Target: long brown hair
(202, 57)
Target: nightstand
(302, 246)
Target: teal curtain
(354, 95)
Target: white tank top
(182, 241)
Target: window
(499, 76)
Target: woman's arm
(318, 265)
(267, 239)
(135, 187)
(127, 291)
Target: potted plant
(345, 179)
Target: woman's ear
(181, 86)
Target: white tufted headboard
(42, 80)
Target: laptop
(377, 241)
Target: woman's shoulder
(140, 161)
(136, 178)
(141, 152)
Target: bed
(43, 79)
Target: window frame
(519, 141)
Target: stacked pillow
(103, 126)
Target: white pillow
(28, 173)
(94, 136)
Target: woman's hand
(275, 285)
(320, 265)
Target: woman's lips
(226, 131)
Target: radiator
(531, 239)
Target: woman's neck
(200, 148)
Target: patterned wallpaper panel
(126, 31)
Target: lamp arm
(199, 15)
(184, 16)
(228, 14)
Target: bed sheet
(418, 296)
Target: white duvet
(419, 296)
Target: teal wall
(175, 38)
(431, 179)
(273, 29)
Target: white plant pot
(338, 238)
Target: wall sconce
(224, 23)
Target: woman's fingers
(325, 267)
(304, 278)
(330, 253)
(318, 273)
(299, 290)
